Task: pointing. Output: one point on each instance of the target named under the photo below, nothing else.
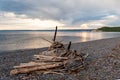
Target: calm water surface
(15, 40)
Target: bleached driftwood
(35, 68)
(43, 58)
(71, 63)
(56, 45)
(31, 64)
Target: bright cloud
(13, 21)
(105, 21)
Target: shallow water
(15, 40)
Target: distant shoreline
(108, 29)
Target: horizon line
(42, 29)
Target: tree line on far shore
(109, 29)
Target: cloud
(14, 6)
(12, 21)
(105, 21)
(74, 13)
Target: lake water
(15, 40)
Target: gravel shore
(103, 62)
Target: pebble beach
(103, 62)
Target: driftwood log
(51, 64)
(34, 68)
(43, 58)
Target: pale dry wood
(27, 70)
(49, 58)
(32, 64)
(67, 51)
(47, 40)
(45, 67)
(52, 72)
(49, 53)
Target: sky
(66, 14)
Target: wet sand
(103, 62)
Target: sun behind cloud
(84, 26)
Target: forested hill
(109, 29)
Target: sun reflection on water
(86, 36)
